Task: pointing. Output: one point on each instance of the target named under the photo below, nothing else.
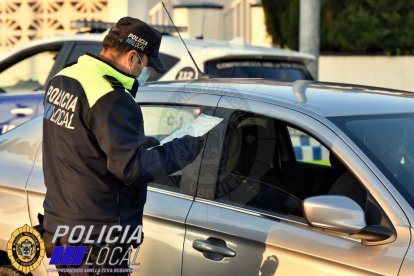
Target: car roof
(202, 47)
(311, 97)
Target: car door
(168, 200)
(247, 218)
(17, 155)
(20, 76)
(16, 108)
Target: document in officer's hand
(200, 126)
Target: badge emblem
(25, 249)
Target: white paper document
(200, 126)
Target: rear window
(267, 69)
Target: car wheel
(9, 270)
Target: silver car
(301, 178)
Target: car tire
(9, 270)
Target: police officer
(95, 158)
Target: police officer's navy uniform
(95, 164)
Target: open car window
(162, 120)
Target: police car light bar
(94, 26)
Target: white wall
(117, 9)
(383, 71)
(259, 34)
(140, 8)
(202, 21)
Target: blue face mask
(143, 77)
(145, 73)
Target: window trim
(170, 193)
(277, 218)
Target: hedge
(351, 26)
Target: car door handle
(22, 111)
(208, 246)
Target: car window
(159, 122)
(268, 69)
(387, 139)
(260, 169)
(29, 74)
(308, 149)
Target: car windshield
(388, 141)
(267, 69)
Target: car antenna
(201, 75)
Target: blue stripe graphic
(317, 153)
(304, 140)
(298, 153)
(57, 254)
(67, 255)
(77, 258)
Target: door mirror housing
(334, 212)
(343, 215)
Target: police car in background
(25, 72)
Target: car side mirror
(343, 215)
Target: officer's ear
(130, 57)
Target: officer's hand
(151, 142)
